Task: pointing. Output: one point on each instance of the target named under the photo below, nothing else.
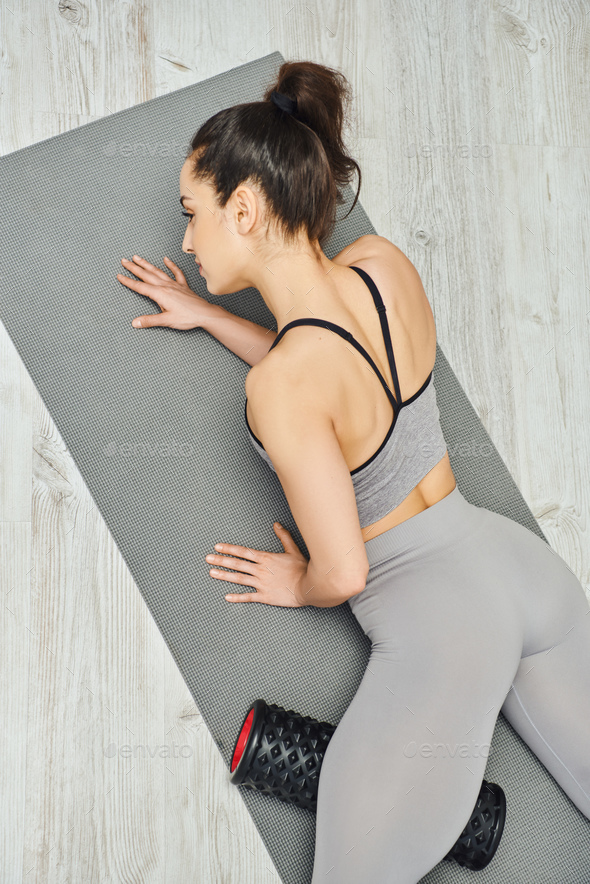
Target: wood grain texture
(471, 128)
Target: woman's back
(362, 413)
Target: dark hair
(298, 160)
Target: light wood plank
(501, 243)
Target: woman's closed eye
(187, 215)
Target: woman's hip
(463, 574)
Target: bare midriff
(435, 485)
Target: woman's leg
(549, 700)
(399, 781)
(404, 768)
(468, 612)
(549, 705)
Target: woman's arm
(183, 309)
(298, 435)
(249, 341)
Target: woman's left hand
(275, 576)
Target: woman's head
(268, 179)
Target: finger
(285, 537)
(238, 564)
(232, 577)
(145, 270)
(150, 320)
(254, 555)
(242, 597)
(140, 287)
(178, 274)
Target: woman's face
(218, 239)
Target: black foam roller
(280, 752)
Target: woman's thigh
(549, 707)
(549, 700)
(403, 770)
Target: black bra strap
(381, 309)
(325, 323)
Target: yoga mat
(154, 422)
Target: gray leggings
(468, 613)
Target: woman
(468, 612)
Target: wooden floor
(471, 126)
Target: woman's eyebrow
(183, 198)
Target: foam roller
(280, 752)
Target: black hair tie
(289, 105)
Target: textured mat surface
(169, 405)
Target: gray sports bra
(384, 480)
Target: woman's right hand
(181, 307)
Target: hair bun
(300, 167)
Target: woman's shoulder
(299, 368)
(371, 246)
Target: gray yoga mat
(154, 421)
